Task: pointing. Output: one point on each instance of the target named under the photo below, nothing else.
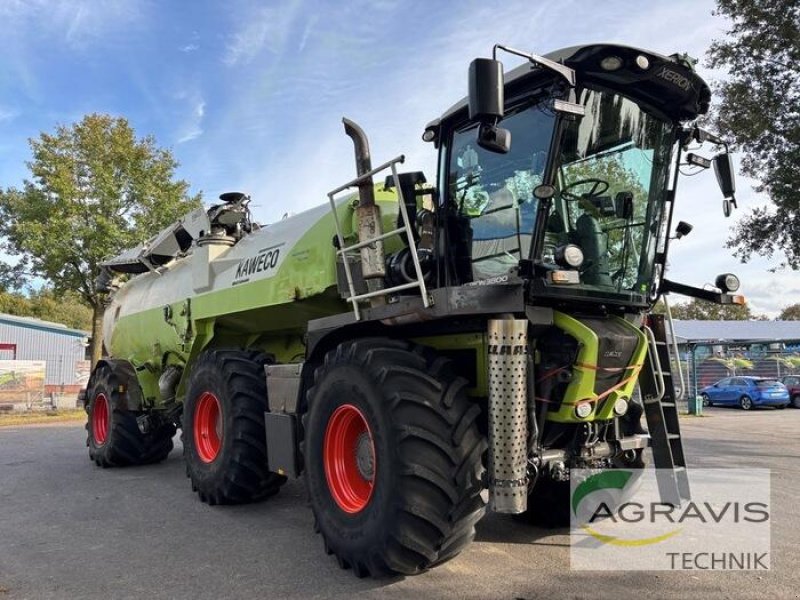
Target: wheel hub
(364, 458)
(349, 458)
(101, 416)
(208, 427)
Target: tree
(734, 362)
(701, 310)
(790, 313)
(95, 189)
(67, 308)
(758, 109)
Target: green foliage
(701, 310)
(758, 109)
(790, 313)
(95, 189)
(67, 308)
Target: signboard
(21, 381)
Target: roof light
(621, 407)
(642, 62)
(611, 63)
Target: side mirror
(493, 138)
(726, 208)
(486, 90)
(486, 101)
(723, 168)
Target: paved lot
(71, 530)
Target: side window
(739, 382)
(724, 382)
(494, 192)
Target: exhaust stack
(368, 214)
(508, 417)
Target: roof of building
(737, 331)
(39, 324)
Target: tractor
(418, 351)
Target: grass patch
(74, 415)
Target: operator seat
(590, 237)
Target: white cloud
(261, 29)
(8, 114)
(192, 124)
(189, 48)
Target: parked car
(792, 382)
(746, 392)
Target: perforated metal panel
(508, 420)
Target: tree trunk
(97, 332)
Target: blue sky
(249, 94)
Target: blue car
(746, 392)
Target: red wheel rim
(349, 458)
(208, 427)
(100, 418)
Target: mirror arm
(565, 72)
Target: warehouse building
(40, 359)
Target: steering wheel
(598, 187)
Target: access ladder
(660, 396)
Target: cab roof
(669, 84)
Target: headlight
(727, 282)
(583, 410)
(569, 255)
(621, 407)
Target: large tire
(745, 403)
(224, 442)
(113, 436)
(393, 458)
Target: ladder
(354, 298)
(660, 398)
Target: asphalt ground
(71, 530)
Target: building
(712, 350)
(39, 359)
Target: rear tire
(113, 435)
(745, 403)
(224, 442)
(706, 400)
(407, 496)
(796, 400)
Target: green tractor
(415, 351)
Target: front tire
(113, 435)
(224, 442)
(745, 403)
(393, 458)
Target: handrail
(674, 345)
(658, 373)
(354, 298)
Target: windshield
(494, 192)
(613, 167)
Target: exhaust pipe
(508, 415)
(368, 215)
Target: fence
(705, 365)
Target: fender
(131, 396)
